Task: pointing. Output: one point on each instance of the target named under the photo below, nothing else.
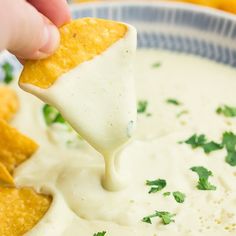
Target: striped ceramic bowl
(172, 26)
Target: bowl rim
(169, 5)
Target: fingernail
(51, 39)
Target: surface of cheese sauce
(70, 170)
(98, 99)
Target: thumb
(26, 32)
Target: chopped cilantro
(229, 141)
(231, 158)
(8, 71)
(211, 146)
(179, 197)
(165, 216)
(196, 140)
(201, 141)
(165, 194)
(226, 110)
(173, 101)
(100, 233)
(182, 113)
(52, 115)
(203, 174)
(156, 65)
(156, 185)
(142, 106)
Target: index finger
(55, 10)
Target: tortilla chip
(20, 210)
(5, 176)
(81, 40)
(9, 103)
(14, 147)
(211, 3)
(229, 5)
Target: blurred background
(225, 5)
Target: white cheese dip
(98, 99)
(81, 206)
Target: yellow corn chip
(229, 5)
(211, 3)
(226, 5)
(9, 103)
(81, 40)
(5, 175)
(14, 147)
(20, 210)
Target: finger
(28, 34)
(55, 10)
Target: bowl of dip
(180, 165)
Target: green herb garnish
(203, 174)
(100, 233)
(182, 113)
(165, 194)
(156, 64)
(52, 115)
(211, 146)
(229, 141)
(8, 71)
(156, 185)
(165, 216)
(142, 106)
(201, 141)
(173, 101)
(196, 140)
(179, 197)
(226, 110)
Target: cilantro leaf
(196, 140)
(183, 112)
(156, 64)
(212, 146)
(201, 141)
(226, 110)
(231, 158)
(203, 174)
(179, 197)
(100, 233)
(156, 185)
(165, 194)
(52, 115)
(165, 216)
(8, 71)
(142, 106)
(173, 101)
(229, 141)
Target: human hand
(28, 29)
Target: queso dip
(177, 98)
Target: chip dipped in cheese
(81, 40)
(89, 80)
